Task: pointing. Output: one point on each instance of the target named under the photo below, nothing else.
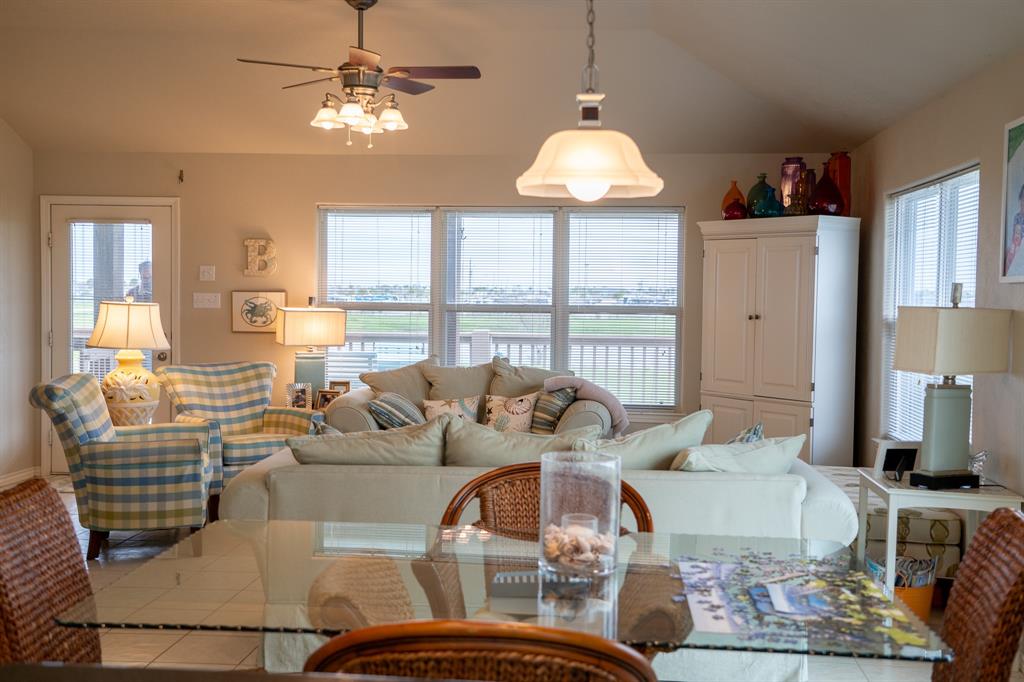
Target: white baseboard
(15, 477)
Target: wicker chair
(41, 575)
(510, 501)
(985, 614)
(477, 650)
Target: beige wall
(19, 306)
(226, 198)
(961, 127)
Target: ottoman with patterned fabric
(922, 533)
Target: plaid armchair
(126, 477)
(233, 399)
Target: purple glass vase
(791, 169)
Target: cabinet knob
(750, 317)
(756, 316)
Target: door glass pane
(108, 262)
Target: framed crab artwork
(255, 311)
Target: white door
(785, 419)
(784, 317)
(101, 252)
(729, 417)
(727, 335)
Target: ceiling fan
(361, 78)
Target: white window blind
(932, 242)
(376, 265)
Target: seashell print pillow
(510, 414)
(466, 408)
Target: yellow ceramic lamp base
(132, 392)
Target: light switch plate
(207, 273)
(205, 300)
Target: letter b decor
(261, 257)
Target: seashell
(518, 406)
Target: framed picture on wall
(1012, 254)
(255, 311)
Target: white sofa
(800, 504)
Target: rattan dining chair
(985, 614)
(510, 500)
(42, 574)
(478, 650)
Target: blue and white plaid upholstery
(126, 477)
(233, 398)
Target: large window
(932, 242)
(592, 290)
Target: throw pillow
(447, 383)
(510, 414)
(392, 411)
(466, 408)
(656, 447)
(474, 445)
(421, 445)
(509, 380)
(749, 435)
(768, 456)
(407, 381)
(549, 409)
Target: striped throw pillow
(392, 411)
(549, 409)
(751, 435)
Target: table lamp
(132, 392)
(948, 342)
(314, 328)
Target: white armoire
(779, 328)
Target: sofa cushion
(751, 434)
(407, 381)
(464, 408)
(474, 445)
(392, 411)
(767, 456)
(656, 447)
(509, 380)
(447, 383)
(420, 445)
(510, 414)
(549, 409)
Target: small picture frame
(342, 386)
(255, 311)
(324, 397)
(895, 457)
(299, 395)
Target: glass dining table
(669, 593)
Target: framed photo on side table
(1011, 269)
(324, 398)
(298, 395)
(342, 386)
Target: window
(932, 242)
(595, 291)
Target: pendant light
(589, 163)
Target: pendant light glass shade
(326, 118)
(589, 164)
(392, 119)
(351, 113)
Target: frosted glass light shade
(351, 113)
(392, 119)
(326, 118)
(586, 160)
(310, 326)
(952, 341)
(124, 325)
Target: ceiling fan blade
(322, 69)
(437, 71)
(409, 87)
(318, 80)
(361, 57)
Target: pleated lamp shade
(124, 325)
(310, 326)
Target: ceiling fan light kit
(588, 163)
(361, 78)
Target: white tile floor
(233, 651)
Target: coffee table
(316, 579)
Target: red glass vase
(839, 169)
(737, 210)
(826, 198)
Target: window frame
(559, 309)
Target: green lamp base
(310, 369)
(945, 444)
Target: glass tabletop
(668, 592)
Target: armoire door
(783, 419)
(729, 417)
(784, 317)
(727, 358)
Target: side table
(898, 495)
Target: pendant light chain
(590, 71)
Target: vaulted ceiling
(680, 75)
